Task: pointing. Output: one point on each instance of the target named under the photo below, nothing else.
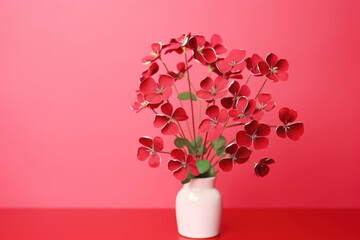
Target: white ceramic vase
(199, 208)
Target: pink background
(69, 69)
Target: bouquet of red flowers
(229, 104)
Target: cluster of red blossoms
(229, 104)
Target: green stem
(217, 161)
(191, 101)
(164, 152)
(187, 121)
(205, 144)
(182, 131)
(261, 88)
(193, 87)
(207, 156)
(153, 110)
(164, 65)
(213, 159)
(250, 74)
(234, 125)
(181, 104)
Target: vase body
(199, 209)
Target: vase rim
(208, 182)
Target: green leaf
(221, 151)
(198, 141)
(202, 150)
(191, 149)
(186, 96)
(181, 142)
(203, 165)
(209, 173)
(185, 181)
(219, 146)
(189, 176)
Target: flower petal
(227, 102)
(236, 55)
(263, 68)
(243, 139)
(270, 106)
(250, 108)
(280, 131)
(251, 127)
(199, 57)
(181, 174)
(223, 115)
(287, 116)
(282, 76)
(223, 66)
(156, 47)
(197, 41)
(207, 83)
(220, 95)
(261, 143)
(220, 49)
(263, 130)
(152, 97)
(257, 115)
(272, 76)
(295, 131)
(272, 60)
(244, 91)
(166, 94)
(154, 160)
(212, 112)
(215, 132)
(252, 64)
(242, 154)
(204, 95)
(216, 39)
(167, 109)
(220, 83)
(242, 103)
(283, 114)
(158, 144)
(234, 88)
(148, 86)
(170, 128)
(235, 114)
(151, 70)
(146, 141)
(231, 148)
(174, 164)
(205, 125)
(181, 67)
(143, 153)
(267, 161)
(261, 170)
(166, 81)
(282, 65)
(178, 154)
(239, 67)
(264, 98)
(226, 164)
(160, 120)
(180, 114)
(191, 163)
(209, 55)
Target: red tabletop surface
(148, 224)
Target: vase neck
(201, 183)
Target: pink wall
(68, 71)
